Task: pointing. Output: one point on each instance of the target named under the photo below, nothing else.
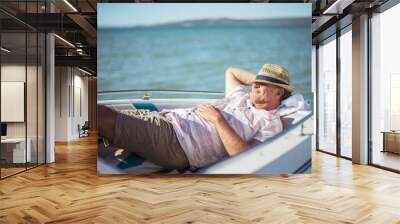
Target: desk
(391, 141)
(13, 150)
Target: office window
(327, 95)
(346, 92)
(22, 92)
(385, 87)
(14, 153)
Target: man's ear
(281, 92)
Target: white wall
(33, 126)
(15, 72)
(62, 81)
(70, 83)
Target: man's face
(266, 96)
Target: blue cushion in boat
(148, 106)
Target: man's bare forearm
(237, 76)
(233, 143)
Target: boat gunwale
(130, 91)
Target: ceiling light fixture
(70, 5)
(79, 51)
(65, 41)
(5, 50)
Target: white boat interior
(287, 152)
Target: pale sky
(133, 14)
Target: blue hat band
(270, 79)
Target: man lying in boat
(196, 137)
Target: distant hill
(227, 21)
(222, 21)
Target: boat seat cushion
(291, 105)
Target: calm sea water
(195, 58)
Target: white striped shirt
(199, 138)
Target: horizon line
(193, 20)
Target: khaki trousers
(150, 135)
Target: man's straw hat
(275, 75)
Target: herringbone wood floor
(70, 191)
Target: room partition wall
(22, 87)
